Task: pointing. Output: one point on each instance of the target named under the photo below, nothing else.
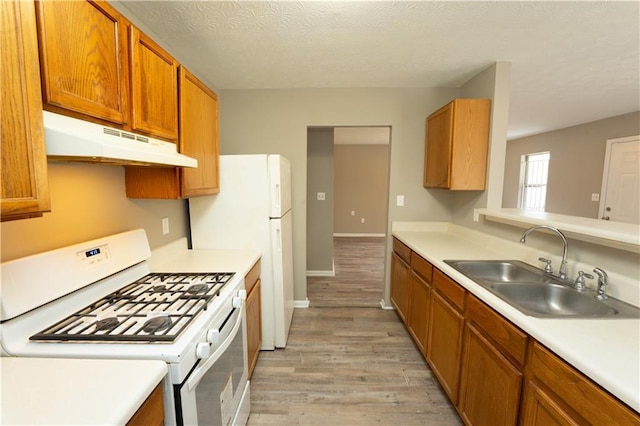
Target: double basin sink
(538, 294)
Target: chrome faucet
(562, 273)
(602, 283)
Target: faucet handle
(547, 267)
(602, 282)
(579, 283)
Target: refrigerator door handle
(279, 239)
(278, 201)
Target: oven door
(216, 392)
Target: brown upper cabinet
(456, 145)
(198, 139)
(84, 59)
(97, 66)
(154, 88)
(25, 188)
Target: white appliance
(70, 139)
(98, 299)
(253, 211)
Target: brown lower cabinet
(558, 394)
(400, 286)
(254, 315)
(493, 372)
(151, 412)
(444, 345)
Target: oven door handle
(202, 369)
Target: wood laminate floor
(348, 362)
(359, 275)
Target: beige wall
(577, 162)
(320, 213)
(276, 121)
(361, 179)
(88, 201)
(493, 83)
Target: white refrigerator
(253, 210)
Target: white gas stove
(99, 300)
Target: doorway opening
(347, 210)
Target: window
(534, 172)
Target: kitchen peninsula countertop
(606, 350)
(48, 391)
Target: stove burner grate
(155, 308)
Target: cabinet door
(400, 286)
(151, 413)
(437, 161)
(84, 58)
(490, 385)
(574, 395)
(154, 75)
(539, 409)
(419, 299)
(254, 326)
(198, 135)
(25, 188)
(444, 347)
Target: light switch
(165, 225)
(321, 196)
(400, 200)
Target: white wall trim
(301, 304)
(324, 273)
(385, 306)
(359, 235)
(321, 273)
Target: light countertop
(606, 350)
(175, 257)
(48, 391)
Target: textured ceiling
(572, 62)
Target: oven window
(219, 391)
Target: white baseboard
(385, 306)
(321, 273)
(359, 235)
(301, 303)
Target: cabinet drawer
(252, 277)
(509, 338)
(577, 391)
(421, 267)
(449, 289)
(403, 251)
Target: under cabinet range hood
(70, 139)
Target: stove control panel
(94, 254)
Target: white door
(621, 181)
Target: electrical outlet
(321, 196)
(362, 220)
(476, 215)
(400, 200)
(353, 212)
(595, 197)
(165, 225)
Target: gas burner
(154, 308)
(156, 324)
(107, 324)
(197, 289)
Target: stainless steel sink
(498, 270)
(538, 294)
(551, 299)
